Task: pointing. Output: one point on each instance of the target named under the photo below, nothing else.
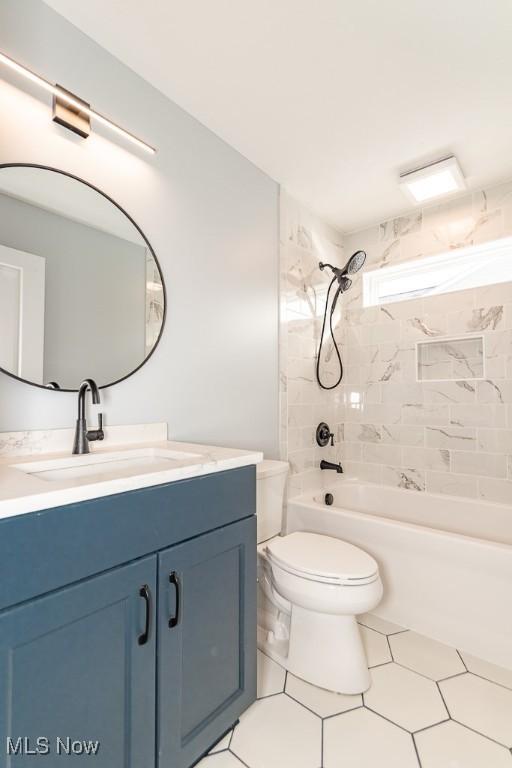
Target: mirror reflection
(81, 292)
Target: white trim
(31, 311)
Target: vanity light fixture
(444, 177)
(71, 111)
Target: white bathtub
(446, 563)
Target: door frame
(32, 271)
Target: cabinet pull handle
(145, 593)
(174, 580)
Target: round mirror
(81, 291)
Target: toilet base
(323, 649)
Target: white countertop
(21, 492)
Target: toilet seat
(323, 559)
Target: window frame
(469, 255)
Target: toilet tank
(270, 487)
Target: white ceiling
(332, 98)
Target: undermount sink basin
(97, 464)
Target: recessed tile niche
(450, 359)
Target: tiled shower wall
(305, 241)
(452, 437)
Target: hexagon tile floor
(429, 706)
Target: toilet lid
(322, 558)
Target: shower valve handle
(324, 434)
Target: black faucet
(329, 465)
(82, 435)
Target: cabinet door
(72, 666)
(206, 640)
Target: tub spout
(329, 465)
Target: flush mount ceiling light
(71, 111)
(444, 177)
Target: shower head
(355, 263)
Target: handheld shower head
(341, 276)
(344, 284)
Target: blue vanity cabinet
(72, 667)
(206, 661)
(75, 586)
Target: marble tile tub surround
(450, 437)
(40, 441)
(305, 240)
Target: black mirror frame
(146, 241)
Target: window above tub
(456, 270)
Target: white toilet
(311, 588)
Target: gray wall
(211, 216)
(95, 293)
